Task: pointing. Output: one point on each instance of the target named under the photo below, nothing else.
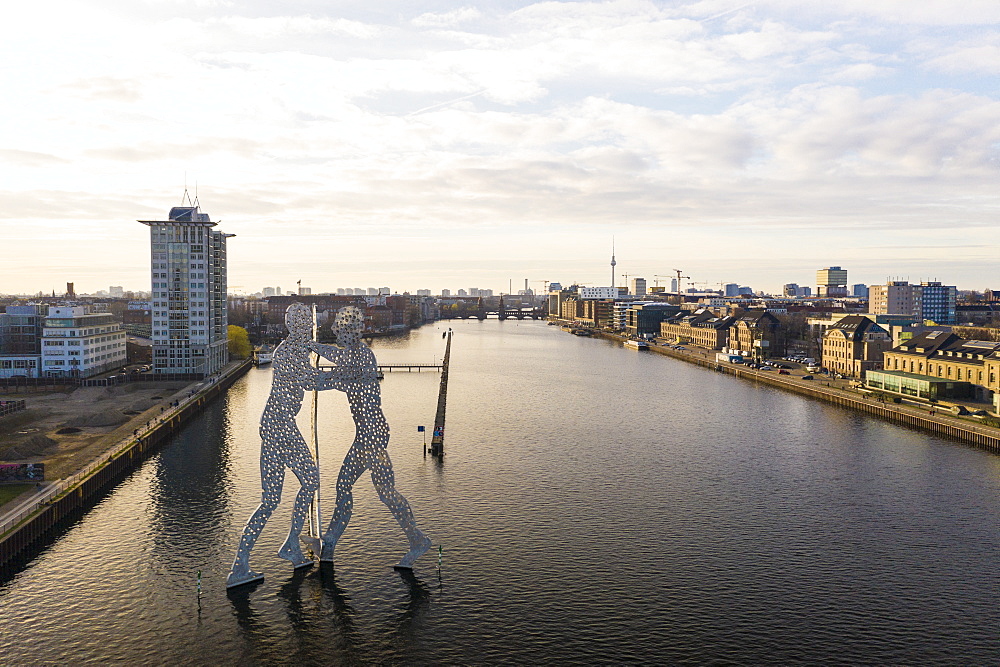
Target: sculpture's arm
(331, 353)
(340, 378)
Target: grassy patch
(10, 491)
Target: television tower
(613, 262)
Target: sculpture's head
(348, 326)
(299, 320)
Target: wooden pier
(410, 367)
(437, 438)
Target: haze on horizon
(464, 146)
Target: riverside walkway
(117, 458)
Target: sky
(447, 145)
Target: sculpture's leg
(271, 482)
(351, 470)
(385, 483)
(308, 475)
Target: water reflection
(324, 622)
(190, 492)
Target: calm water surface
(595, 505)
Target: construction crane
(679, 278)
(656, 279)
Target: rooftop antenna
(196, 203)
(186, 197)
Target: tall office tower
(116, 291)
(268, 291)
(731, 289)
(831, 282)
(638, 286)
(446, 292)
(190, 324)
(790, 289)
(860, 290)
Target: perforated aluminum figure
(359, 379)
(281, 442)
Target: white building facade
(598, 292)
(188, 270)
(78, 343)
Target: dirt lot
(67, 429)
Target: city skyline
(459, 146)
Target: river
(595, 505)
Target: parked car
(807, 377)
(766, 368)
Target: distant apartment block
(926, 301)
(638, 287)
(188, 269)
(860, 291)
(598, 293)
(20, 341)
(78, 343)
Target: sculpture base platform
(251, 578)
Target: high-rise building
(831, 282)
(860, 290)
(731, 289)
(930, 300)
(268, 291)
(896, 297)
(638, 287)
(190, 323)
(446, 292)
(938, 302)
(116, 291)
(790, 289)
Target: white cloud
(698, 120)
(448, 19)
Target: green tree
(239, 342)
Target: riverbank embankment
(43, 513)
(900, 413)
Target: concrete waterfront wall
(69, 499)
(982, 436)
